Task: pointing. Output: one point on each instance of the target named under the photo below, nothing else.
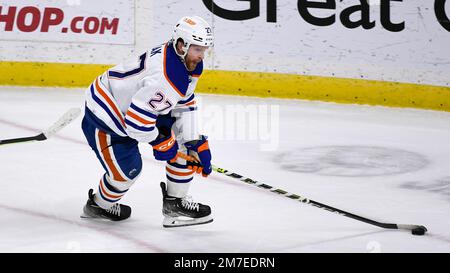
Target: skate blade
(170, 222)
(97, 218)
(87, 216)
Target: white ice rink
(388, 164)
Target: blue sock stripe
(179, 180)
(176, 165)
(104, 198)
(110, 187)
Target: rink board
(257, 84)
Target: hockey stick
(415, 229)
(62, 122)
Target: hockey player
(150, 100)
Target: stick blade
(415, 229)
(63, 121)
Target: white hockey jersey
(129, 97)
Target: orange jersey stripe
(190, 103)
(110, 102)
(136, 117)
(107, 156)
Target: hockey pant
(122, 162)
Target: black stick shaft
(351, 215)
(306, 200)
(23, 139)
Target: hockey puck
(419, 230)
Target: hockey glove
(201, 148)
(165, 122)
(165, 147)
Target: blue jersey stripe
(137, 127)
(110, 114)
(186, 101)
(121, 75)
(142, 111)
(98, 123)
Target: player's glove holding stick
(201, 161)
(165, 146)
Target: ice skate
(117, 212)
(183, 211)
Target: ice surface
(387, 164)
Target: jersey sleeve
(186, 113)
(187, 125)
(186, 105)
(186, 109)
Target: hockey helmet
(193, 30)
